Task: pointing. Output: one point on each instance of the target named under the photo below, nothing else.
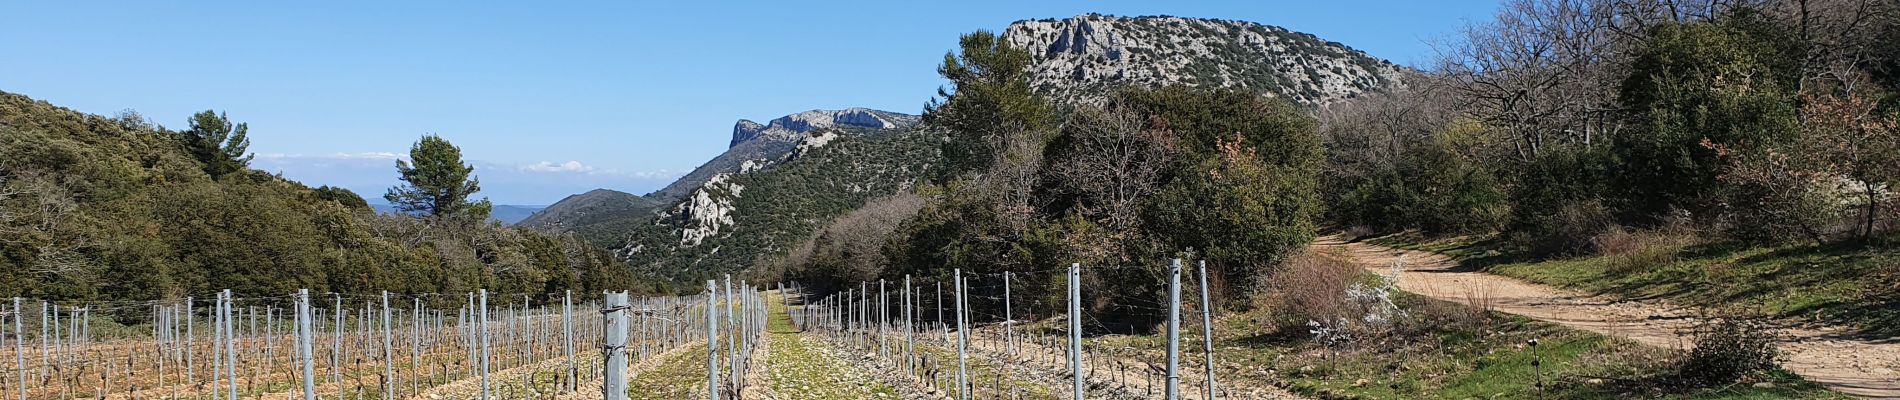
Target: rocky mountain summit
(604, 216)
(763, 144)
(788, 128)
(1080, 59)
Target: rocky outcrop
(1079, 59)
(813, 142)
(745, 130)
(709, 210)
(790, 127)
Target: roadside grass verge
(1845, 284)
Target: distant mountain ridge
(787, 128)
(604, 217)
(1081, 59)
(758, 143)
(736, 219)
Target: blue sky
(550, 99)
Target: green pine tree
(437, 184)
(989, 100)
(217, 143)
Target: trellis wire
(944, 361)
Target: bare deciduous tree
(1369, 133)
(1115, 161)
(1545, 72)
(856, 239)
(1012, 178)
(1849, 137)
(46, 225)
(1838, 36)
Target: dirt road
(1859, 366)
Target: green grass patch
(676, 378)
(802, 369)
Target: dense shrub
(1310, 286)
(1432, 187)
(1556, 209)
(1244, 215)
(1688, 94)
(1728, 350)
(1221, 175)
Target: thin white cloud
(549, 166)
(660, 174)
(374, 155)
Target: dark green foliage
(342, 196)
(217, 143)
(438, 184)
(93, 209)
(1245, 193)
(1707, 131)
(1241, 215)
(988, 101)
(1219, 175)
(779, 208)
(1697, 89)
(1282, 134)
(1432, 187)
(1556, 206)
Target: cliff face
(787, 128)
(763, 144)
(1080, 59)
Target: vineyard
(908, 338)
(370, 347)
(854, 344)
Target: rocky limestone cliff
(1079, 59)
(763, 144)
(788, 128)
(708, 211)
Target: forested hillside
(599, 216)
(95, 208)
(1087, 61)
(740, 219)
